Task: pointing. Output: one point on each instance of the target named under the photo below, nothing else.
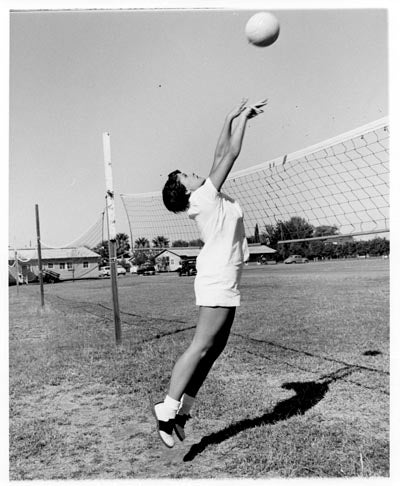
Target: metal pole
(112, 236)
(17, 267)
(39, 250)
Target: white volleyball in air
(262, 29)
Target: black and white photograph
(200, 249)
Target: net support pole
(17, 268)
(112, 235)
(39, 251)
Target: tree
(293, 229)
(349, 248)
(139, 257)
(379, 246)
(123, 245)
(329, 250)
(299, 248)
(160, 242)
(197, 242)
(296, 228)
(271, 236)
(325, 231)
(142, 243)
(256, 237)
(315, 249)
(102, 250)
(139, 254)
(180, 243)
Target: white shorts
(219, 288)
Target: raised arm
(233, 144)
(226, 133)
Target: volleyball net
(95, 235)
(342, 182)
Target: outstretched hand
(238, 109)
(230, 141)
(256, 108)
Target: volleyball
(262, 29)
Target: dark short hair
(175, 196)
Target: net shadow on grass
(307, 395)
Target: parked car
(50, 277)
(146, 269)
(188, 267)
(296, 259)
(106, 271)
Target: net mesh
(94, 235)
(342, 182)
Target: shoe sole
(153, 411)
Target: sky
(161, 81)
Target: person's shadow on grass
(307, 395)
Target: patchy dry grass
(302, 389)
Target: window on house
(85, 264)
(62, 266)
(69, 265)
(49, 265)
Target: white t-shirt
(220, 222)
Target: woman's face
(191, 181)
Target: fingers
(251, 110)
(255, 109)
(254, 113)
(261, 103)
(238, 109)
(242, 105)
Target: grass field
(302, 389)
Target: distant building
(169, 260)
(69, 263)
(261, 252)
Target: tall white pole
(112, 234)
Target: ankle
(186, 404)
(168, 408)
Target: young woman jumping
(219, 267)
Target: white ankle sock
(167, 409)
(186, 404)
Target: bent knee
(200, 350)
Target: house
(261, 253)
(169, 260)
(69, 263)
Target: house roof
(182, 251)
(260, 249)
(194, 252)
(52, 253)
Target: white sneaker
(164, 428)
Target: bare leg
(214, 325)
(205, 365)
